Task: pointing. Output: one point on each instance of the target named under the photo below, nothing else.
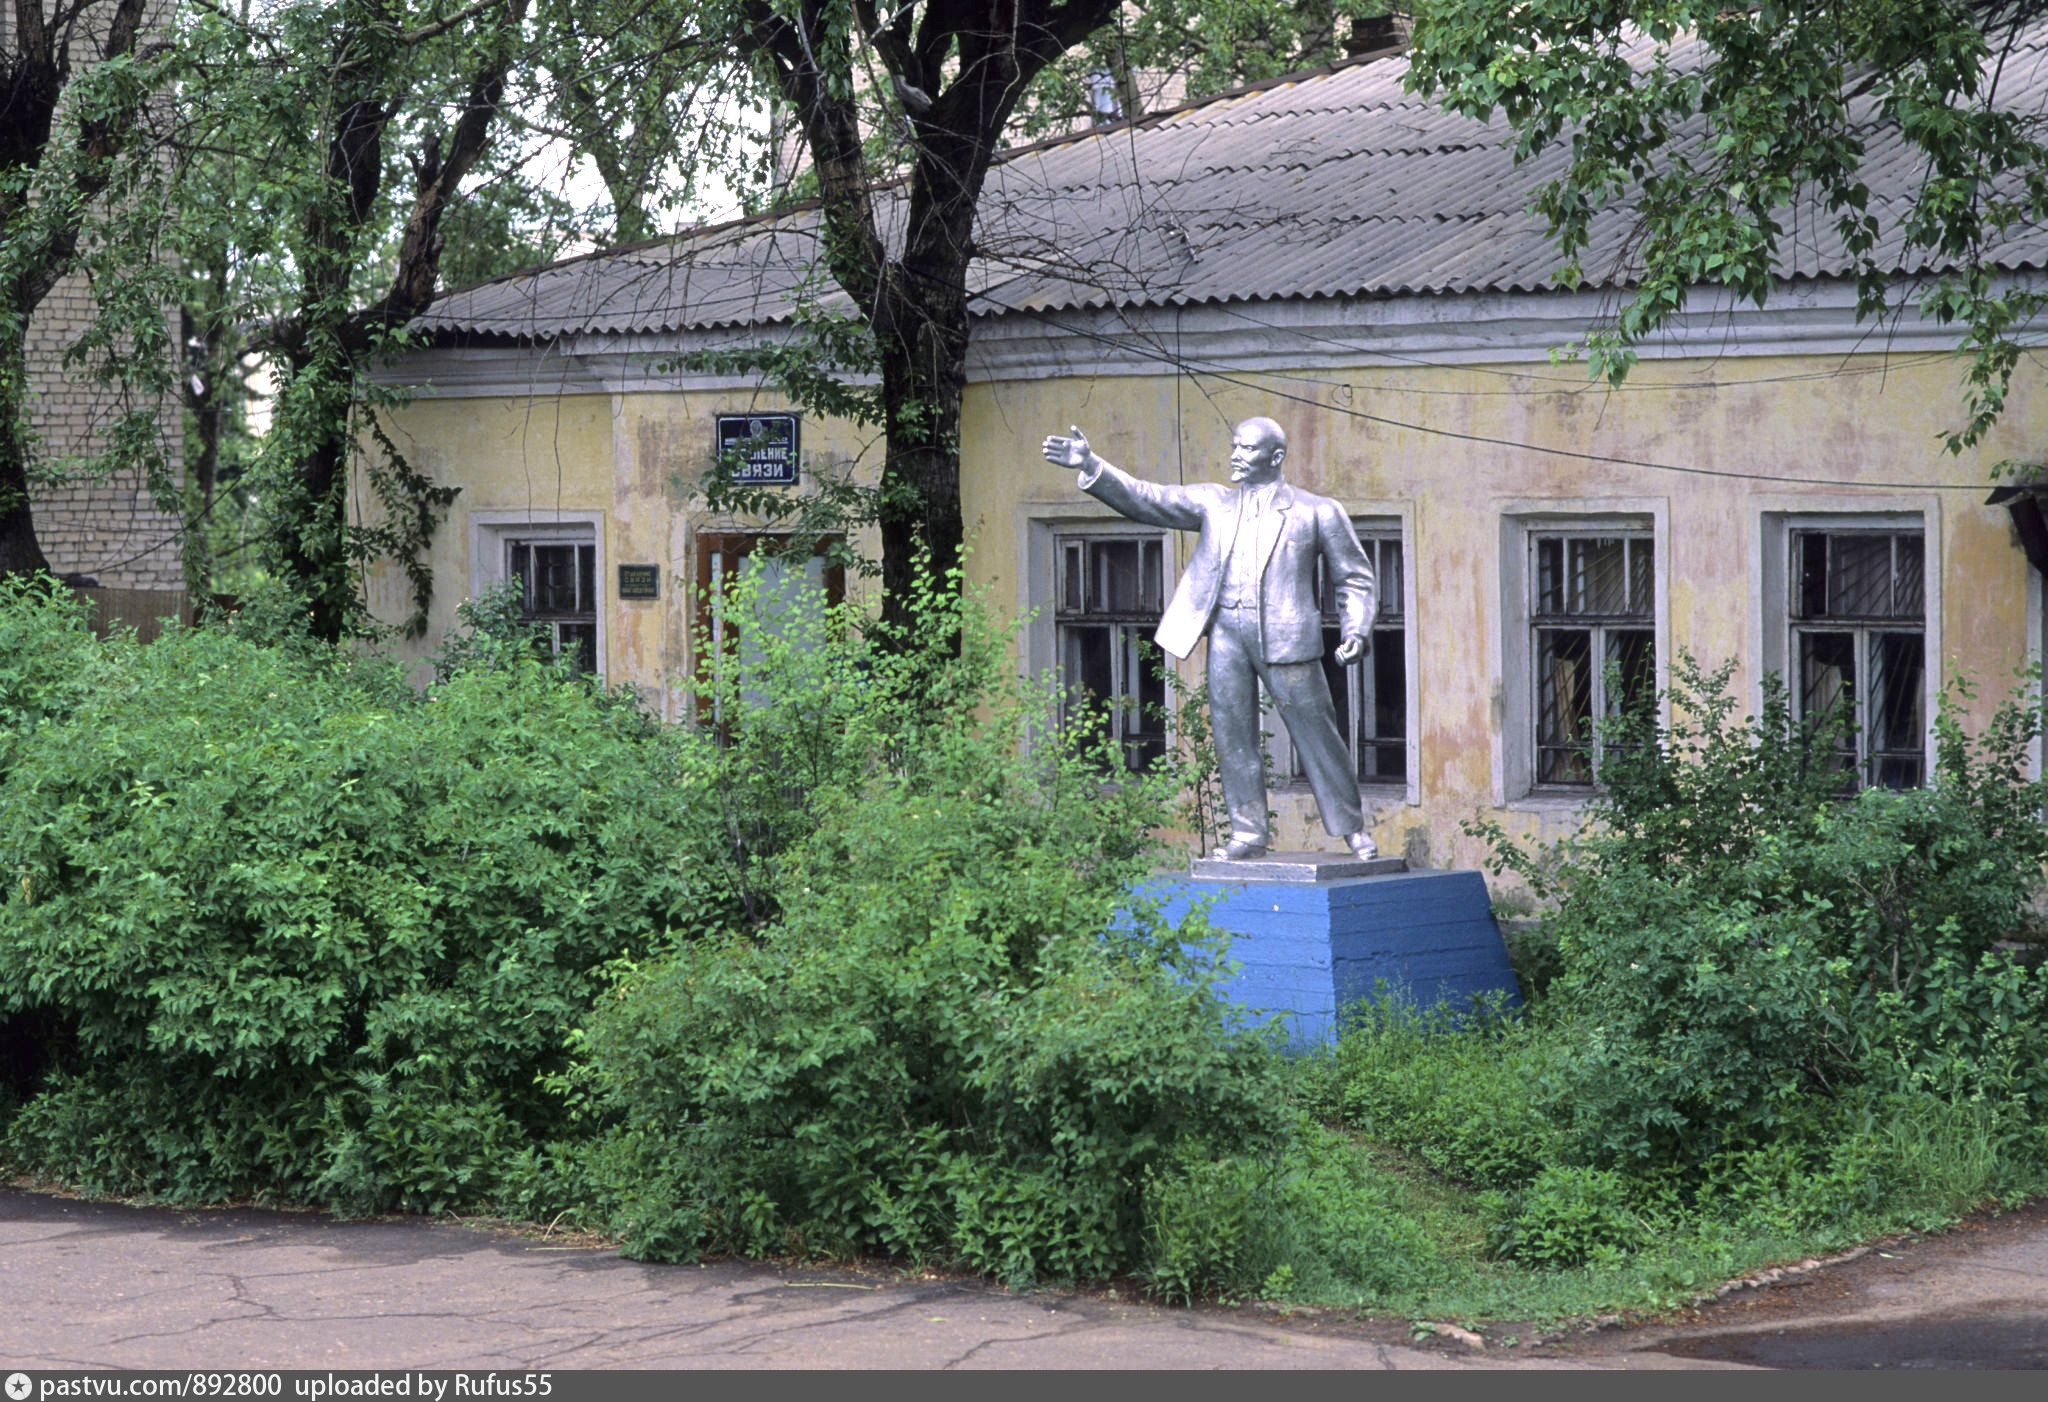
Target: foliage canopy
(1728, 128)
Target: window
(1372, 693)
(557, 561)
(558, 585)
(1110, 592)
(1858, 605)
(1592, 606)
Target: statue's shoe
(1362, 846)
(1239, 849)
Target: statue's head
(1257, 448)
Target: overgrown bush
(1567, 1216)
(958, 1037)
(273, 923)
(1315, 1220)
(1738, 939)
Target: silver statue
(1251, 587)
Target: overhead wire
(1188, 365)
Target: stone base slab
(1296, 868)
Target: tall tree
(1721, 127)
(1166, 51)
(363, 120)
(947, 75)
(73, 91)
(642, 92)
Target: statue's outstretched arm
(1175, 508)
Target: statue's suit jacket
(1298, 528)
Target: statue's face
(1254, 456)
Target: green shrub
(1570, 1216)
(958, 1037)
(291, 929)
(1316, 1221)
(49, 659)
(1738, 939)
(1215, 1225)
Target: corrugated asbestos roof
(1335, 183)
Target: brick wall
(109, 529)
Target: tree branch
(441, 175)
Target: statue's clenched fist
(1071, 451)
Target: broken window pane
(1811, 556)
(1111, 592)
(577, 640)
(1385, 757)
(558, 587)
(1085, 667)
(1909, 586)
(1550, 576)
(1859, 576)
(1633, 653)
(1870, 674)
(1642, 576)
(1898, 722)
(1610, 581)
(1599, 576)
(1564, 702)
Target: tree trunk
(328, 344)
(20, 551)
(923, 343)
(34, 68)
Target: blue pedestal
(1309, 952)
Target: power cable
(1189, 366)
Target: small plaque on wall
(639, 581)
(767, 445)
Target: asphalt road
(1976, 1297)
(91, 1285)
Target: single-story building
(1769, 486)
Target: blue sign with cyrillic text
(766, 444)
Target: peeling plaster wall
(634, 458)
(1864, 429)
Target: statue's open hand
(1068, 452)
(1350, 650)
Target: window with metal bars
(558, 584)
(1372, 693)
(1109, 596)
(1592, 609)
(1859, 636)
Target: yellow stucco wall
(635, 460)
(1864, 431)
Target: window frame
(585, 611)
(718, 553)
(1863, 631)
(492, 532)
(1511, 645)
(1774, 520)
(1131, 630)
(1599, 627)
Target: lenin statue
(1251, 586)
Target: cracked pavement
(110, 1285)
(98, 1284)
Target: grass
(1426, 1182)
